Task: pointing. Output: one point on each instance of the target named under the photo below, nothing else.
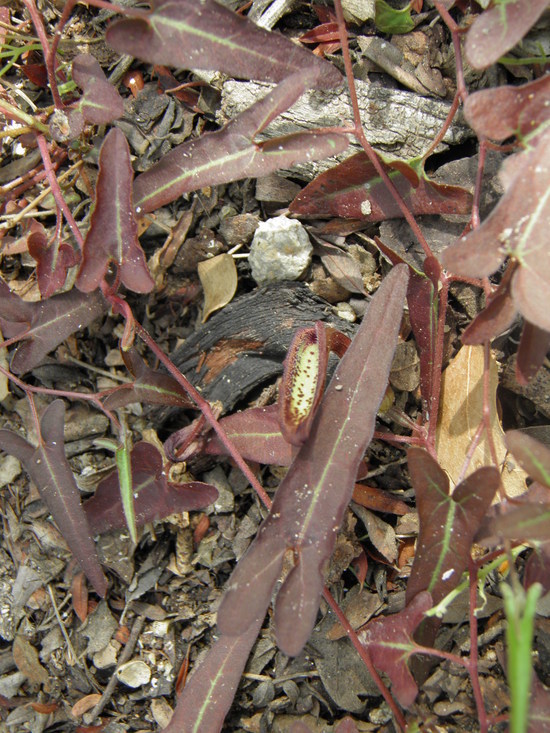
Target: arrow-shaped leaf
(505, 23)
(101, 102)
(390, 643)
(354, 190)
(231, 153)
(46, 324)
(448, 523)
(48, 467)
(518, 227)
(206, 35)
(154, 496)
(112, 236)
(150, 386)
(311, 501)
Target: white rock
(280, 250)
(134, 673)
(345, 311)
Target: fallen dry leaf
(26, 659)
(461, 414)
(84, 704)
(219, 278)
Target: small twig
(70, 647)
(474, 654)
(124, 657)
(13, 219)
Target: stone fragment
(280, 250)
(134, 673)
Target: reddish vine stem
(441, 134)
(365, 657)
(360, 135)
(475, 219)
(437, 365)
(65, 15)
(49, 57)
(455, 35)
(206, 410)
(56, 190)
(95, 399)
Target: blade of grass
(520, 610)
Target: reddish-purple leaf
(346, 726)
(207, 35)
(505, 111)
(423, 307)
(113, 232)
(256, 434)
(53, 259)
(207, 697)
(101, 102)
(231, 153)
(16, 314)
(533, 347)
(353, 190)
(155, 497)
(496, 317)
(518, 227)
(150, 386)
(533, 456)
(390, 643)
(527, 523)
(44, 325)
(448, 523)
(537, 567)
(499, 28)
(311, 501)
(48, 467)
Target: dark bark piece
(244, 345)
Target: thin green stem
(29, 120)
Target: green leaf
(391, 20)
(122, 457)
(520, 608)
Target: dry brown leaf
(80, 596)
(461, 414)
(219, 278)
(26, 659)
(84, 704)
